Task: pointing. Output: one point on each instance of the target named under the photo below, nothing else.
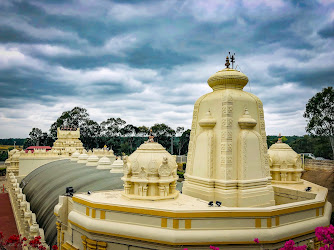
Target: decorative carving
(142, 174)
(135, 166)
(152, 167)
(164, 169)
(126, 166)
(192, 135)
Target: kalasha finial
(232, 58)
(279, 138)
(151, 137)
(227, 64)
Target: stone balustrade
(25, 219)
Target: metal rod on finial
(232, 58)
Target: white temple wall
(27, 165)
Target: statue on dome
(151, 137)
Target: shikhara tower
(227, 158)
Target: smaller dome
(228, 79)
(82, 158)
(150, 173)
(104, 163)
(285, 163)
(246, 121)
(16, 156)
(117, 166)
(13, 151)
(74, 157)
(92, 160)
(208, 120)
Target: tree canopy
(113, 132)
(320, 114)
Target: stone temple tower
(227, 157)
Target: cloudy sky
(148, 61)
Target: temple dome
(75, 156)
(104, 163)
(83, 158)
(285, 163)
(150, 173)
(92, 160)
(228, 79)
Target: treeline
(125, 138)
(10, 141)
(115, 133)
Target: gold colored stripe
(93, 213)
(55, 214)
(102, 214)
(87, 211)
(317, 212)
(258, 223)
(196, 214)
(175, 224)
(190, 243)
(269, 222)
(163, 222)
(68, 246)
(187, 224)
(277, 221)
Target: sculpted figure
(126, 166)
(142, 173)
(164, 169)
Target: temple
(227, 158)
(235, 190)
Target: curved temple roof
(45, 184)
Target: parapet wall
(25, 219)
(326, 165)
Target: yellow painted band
(163, 222)
(212, 214)
(175, 224)
(93, 213)
(317, 212)
(269, 222)
(187, 224)
(68, 246)
(87, 211)
(277, 221)
(258, 223)
(190, 243)
(102, 214)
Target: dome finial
(279, 138)
(227, 64)
(232, 58)
(150, 136)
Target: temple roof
(228, 79)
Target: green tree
(320, 114)
(112, 127)
(77, 117)
(184, 142)
(129, 131)
(163, 134)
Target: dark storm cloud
(128, 58)
(320, 77)
(327, 31)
